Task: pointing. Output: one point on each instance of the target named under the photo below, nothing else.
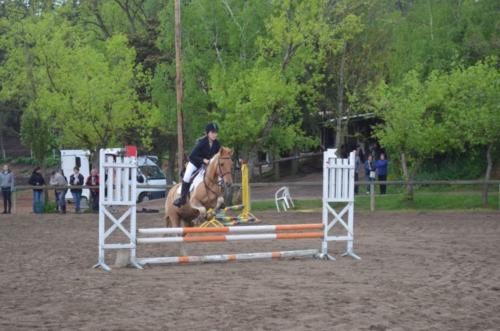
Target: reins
(218, 183)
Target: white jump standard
(118, 178)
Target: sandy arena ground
(420, 271)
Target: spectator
(93, 180)
(76, 179)
(357, 165)
(369, 171)
(381, 166)
(36, 179)
(7, 187)
(58, 179)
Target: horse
(207, 195)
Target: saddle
(196, 178)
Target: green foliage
(86, 74)
(414, 121)
(473, 100)
(77, 95)
(468, 165)
(35, 132)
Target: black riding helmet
(211, 127)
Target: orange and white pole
(237, 237)
(234, 229)
(229, 257)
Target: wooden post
(245, 189)
(14, 201)
(372, 196)
(178, 84)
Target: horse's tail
(169, 205)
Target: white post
(100, 262)
(350, 212)
(338, 187)
(114, 189)
(327, 180)
(133, 217)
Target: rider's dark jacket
(202, 151)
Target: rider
(204, 150)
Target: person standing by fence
(369, 171)
(93, 180)
(76, 179)
(381, 166)
(36, 179)
(7, 187)
(58, 179)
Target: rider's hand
(206, 161)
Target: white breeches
(189, 172)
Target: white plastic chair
(282, 196)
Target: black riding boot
(184, 193)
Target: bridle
(220, 179)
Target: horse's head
(224, 166)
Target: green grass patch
(422, 201)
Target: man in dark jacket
(381, 166)
(36, 179)
(76, 179)
(204, 150)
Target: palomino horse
(208, 193)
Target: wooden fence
(297, 184)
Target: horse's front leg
(202, 212)
(220, 202)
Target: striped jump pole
(233, 237)
(234, 229)
(229, 257)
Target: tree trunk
(178, 84)
(170, 173)
(252, 159)
(340, 101)
(407, 177)
(95, 157)
(487, 175)
(2, 147)
(276, 168)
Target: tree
(86, 95)
(414, 121)
(284, 81)
(216, 35)
(473, 102)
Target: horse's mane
(212, 165)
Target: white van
(71, 158)
(148, 173)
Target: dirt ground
(419, 271)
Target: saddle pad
(197, 180)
